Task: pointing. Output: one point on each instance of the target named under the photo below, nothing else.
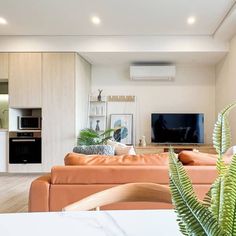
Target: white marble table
(91, 223)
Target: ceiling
(127, 58)
(118, 17)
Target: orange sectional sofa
(83, 176)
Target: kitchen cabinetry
(25, 80)
(59, 84)
(3, 150)
(58, 107)
(4, 66)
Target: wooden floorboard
(14, 191)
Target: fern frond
(217, 199)
(221, 133)
(207, 199)
(229, 204)
(88, 133)
(193, 217)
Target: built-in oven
(25, 147)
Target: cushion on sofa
(127, 150)
(120, 148)
(95, 149)
(193, 158)
(142, 159)
(120, 174)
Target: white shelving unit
(97, 117)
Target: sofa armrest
(39, 194)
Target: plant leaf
(217, 199)
(221, 142)
(221, 133)
(193, 217)
(229, 206)
(207, 199)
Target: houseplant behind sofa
(93, 142)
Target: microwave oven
(29, 122)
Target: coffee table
(91, 223)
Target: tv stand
(159, 148)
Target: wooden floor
(14, 190)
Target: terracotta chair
(132, 192)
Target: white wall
(192, 91)
(226, 85)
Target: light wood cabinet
(3, 150)
(4, 66)
(151, 149)
(25, 76)
(58, 107)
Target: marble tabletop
(91, 223)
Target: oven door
(25, 150)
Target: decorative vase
(99, 95)
(143, 141)
(97, 126)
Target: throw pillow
(121, 149)
(127, 150)
(192, 158)
(231, 151)
(95, 149)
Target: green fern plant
(91, 137)
(216, 214)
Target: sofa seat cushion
(193, 158)
(142, 159)
(88, 174)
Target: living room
(51, 71)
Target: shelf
(97, 113)
(97, 116)
(97, 101)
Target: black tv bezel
(177, 143)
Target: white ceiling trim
(227, 28)
(113, 44)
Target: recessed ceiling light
(3, 21)
(191, 20)
(96, 20)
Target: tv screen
(177, 128)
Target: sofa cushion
(193, 158)
(89, 174)
(127, 150)
(142, 159)
(95, 149)
(120, 148)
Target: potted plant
(94, 142)
(89, 137)
(216, 214)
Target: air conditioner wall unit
(152, 72)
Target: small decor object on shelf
(143, 141)
(100, 95)
(125, 133)
(140, 142)
(97, 126)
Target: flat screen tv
(177, 128)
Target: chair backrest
(132, 192)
